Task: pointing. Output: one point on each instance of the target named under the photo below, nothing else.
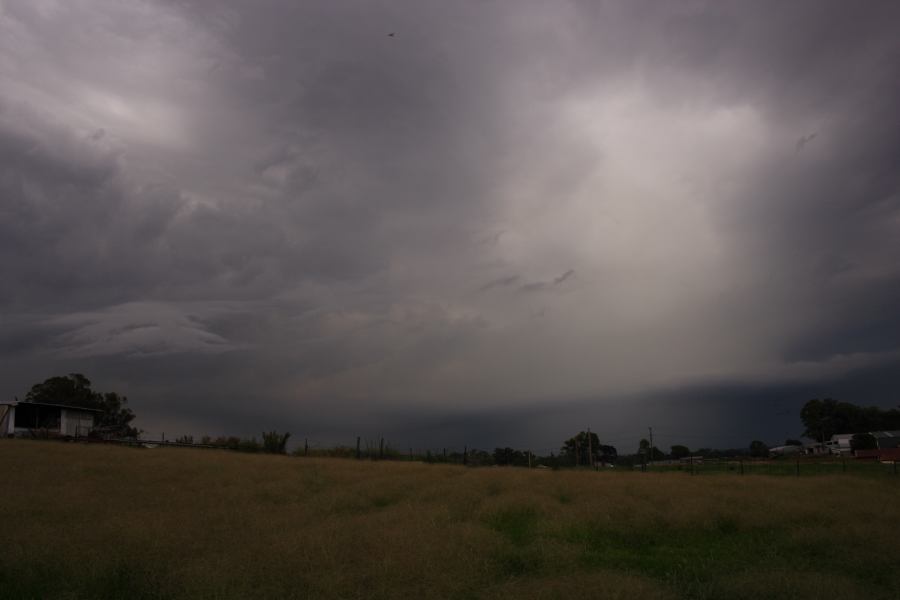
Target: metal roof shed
(30, 418)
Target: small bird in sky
(804, 140)
(392, 34)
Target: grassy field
(108, 522)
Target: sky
(479, 223)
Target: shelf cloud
(500, 207)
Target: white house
(30, 418)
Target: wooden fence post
(590, 449)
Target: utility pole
(651, 444)
(590, 449)
(577, 451)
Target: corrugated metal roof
(886, 434)
(48, 404)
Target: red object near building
(882, 454)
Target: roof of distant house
(51, 405)
(886, 434)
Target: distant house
(38, 418)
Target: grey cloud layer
(323, 216)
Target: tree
(758, 449)
(608, 454)
(115, 420)
(679, 452)
(581, 446)
(69, 390)
(863, 441)
(824, 418)
(650, 453)
(274, 442)
(509, 456)
(475, 457)
(817, 417)
(75, 390)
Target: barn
(39, 418)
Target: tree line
(825, 418)
(821, 419)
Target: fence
(779, 467)
(380, 449)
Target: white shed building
(31, 418)
(840, 443)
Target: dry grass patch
(109, 522)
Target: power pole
(590, 449)
(651, 444)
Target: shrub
(274, 442)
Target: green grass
(515, 523)
(109, 522)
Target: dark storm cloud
(208, 202)
(501, 282)
(536, 286)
